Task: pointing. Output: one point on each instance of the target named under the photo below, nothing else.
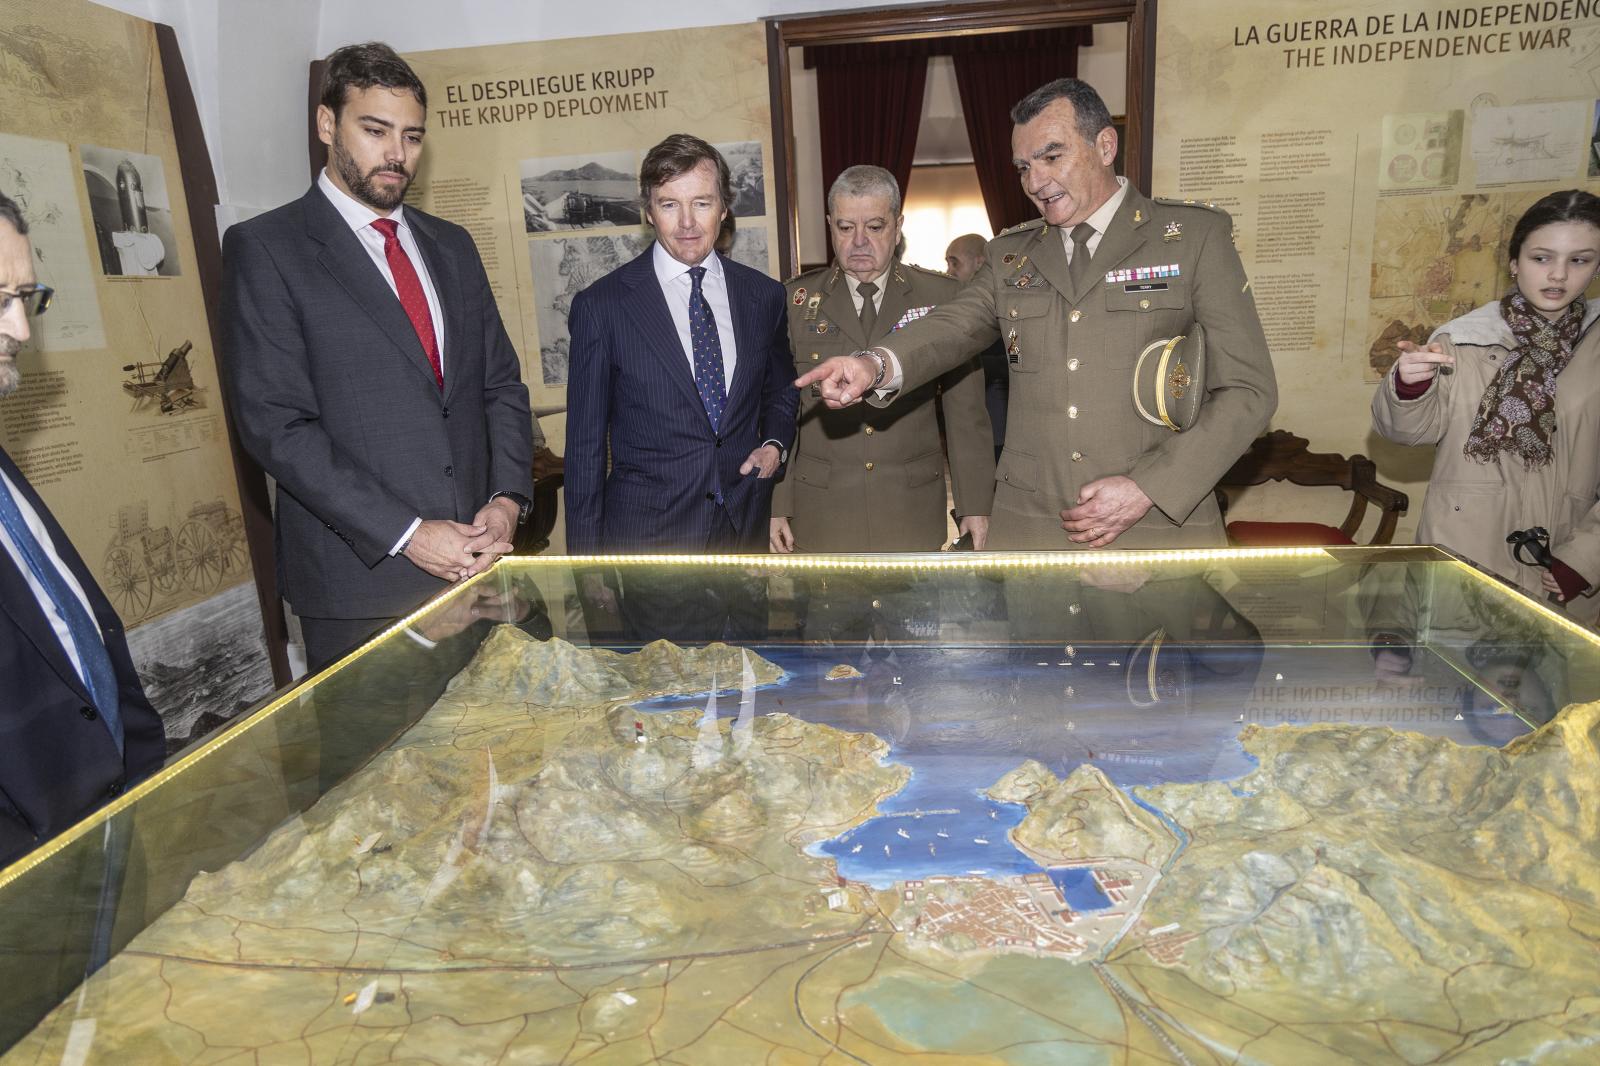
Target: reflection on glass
(1182, 805)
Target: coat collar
(352, 269)
(1485, 326)
(18, 601)
(648, 309)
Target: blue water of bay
(962, 717)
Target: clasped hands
(456, 551)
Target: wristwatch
(524, 505)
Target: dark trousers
(327, 639)
(694, 604)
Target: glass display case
(1271, 806)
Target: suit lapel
(896, 301)
(649, 312)
(1122, 238)
(447, 286)
(841, 307)
(352, 268)
(22, 606)
(746, 337)
(1048, 258)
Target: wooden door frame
(951, 20)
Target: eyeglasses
(35, 299)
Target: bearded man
(370, 373)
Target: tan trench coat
(1471, 506)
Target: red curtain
(993, 73)
(869, 102)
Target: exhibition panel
(1274, 805)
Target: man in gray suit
(370, 373)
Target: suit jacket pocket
(1129, 297)
(809, 470)
(1019, 470)
(1023, 327)
(924, 468)
(637, 494)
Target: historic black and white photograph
(204, 664)
(749, 186)
(580, 191)
(563, 267)
(132, 211)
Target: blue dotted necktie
(100, 675)
(707, 351)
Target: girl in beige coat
(1510, 393)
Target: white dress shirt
(359, 217)
(676, 285)
(36, 526)
(1099, 220)
(855, 292)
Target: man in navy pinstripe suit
(680, 362)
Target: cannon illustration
(167, 383)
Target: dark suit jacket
(629, 382)
(57, 760)
(335, 398)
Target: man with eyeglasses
(75, 726)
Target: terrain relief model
(582, 856)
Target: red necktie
(412, 298)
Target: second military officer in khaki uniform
(1075, 297)
(872, 479)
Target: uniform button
(114, 790)
(89, 713)
(869, 466)
(1072, 364)
(1144, 305)
(1072, 412)
(869, 431)
(1077, 457)
(1074, 316)
(449, 471)
(719, 442)
(445, 411)
(1013, 312)
(876, 605)
(1073, 608)
(813, 357)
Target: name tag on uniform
(1146, 286)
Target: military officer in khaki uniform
(1075, 296)
(867, 478)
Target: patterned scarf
(1518, 409)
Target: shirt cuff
(1411, 390)
(420, 639)
(405, 538)
(894, 379)
(1572, 583)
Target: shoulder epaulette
(805, 274)
(931, 272)
(1033, 223)
(1206, 204)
